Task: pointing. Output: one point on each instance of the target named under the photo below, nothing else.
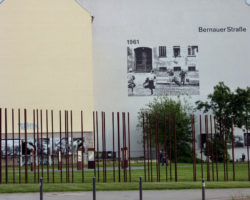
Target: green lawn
(185, 179)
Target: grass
(185, 179)
(24, 188)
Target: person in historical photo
(149, 82)
(131, 78)
(183, 76)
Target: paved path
(212, 194)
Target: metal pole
(201, 147)
(207, 148)
(224, 148)
(203, 189)
(1, 146)
(232, 123)
(60, 129)
(175, 149)
(41, 188)
(6, 148)
(165, 144)
(193, 145)
(103, 150)
(113, 154)
(119, 157)
(144, 138)
(148, 144)
(105, 167)
(66, 146)
(94, 189)
(170, 148)
(82, 147)
(41, 119)
(247, 149)
(37, 144)
(52, 132)
(140, 188)
(97, 142)
(212, 146)
(150, 148)
(13, 147)
(94, 142)
(216, 150)
(72, 147)
(47, 135)
(34, 134)
(129, 158)
(26, 150)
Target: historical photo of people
(162, 70)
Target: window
(192, 50)
(192, 68)
(177, 69)
(177, 51)
(162, 51)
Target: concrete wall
(223, 56)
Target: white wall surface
(223, 56)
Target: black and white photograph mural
(162, 70)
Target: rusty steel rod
(66, 147)
(129, 149)
(26, 150)
(6, 147)
(144, 138)
(124, 146)
(60, 151)
(105, 147)
(157, 148)
(226, 137)
(232, 127)
(47, 138)
(113, 141)
(193, 148)
(41, 122)
(175, 149)
(103, 151)
(212, 146)
(207, 148)
(83, 145)
(216, 150)
(148, 145)
(119, 156)
(94, 142)
(72, 147)
(53, 150)
(150, 149)
(201, 147)
(34, 138)
(37, 146)
(248, 164)
(97, 142)
(224, 148)
(165, 144)
(13, 147)
(170, 147)
(1, 146)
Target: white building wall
(223, 56)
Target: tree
(165, 107)
(226, 105)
